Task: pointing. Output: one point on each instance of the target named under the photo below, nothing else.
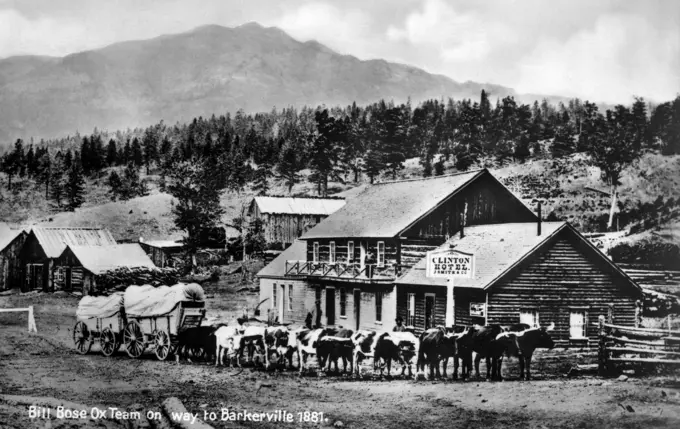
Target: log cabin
(353, 258)
(44, 244)
(78, 267)
(11, 241)
(285, 219)
(366, 264)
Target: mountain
(211, 69)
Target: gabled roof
(55, 240)
(498, 248)
(8, 235)
(387, 209)
(277, 268)
(163, 244)
(298, 206)
(99, 259)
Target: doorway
(357, 308)
(282, 303)
(429, 311)
(330, 306)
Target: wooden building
(354, 257)
(366, 263)
(44, 244)
(525, 273)
(161, 252)
(11, 241)
(77, 267)
(286, 218)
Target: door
(282, 303)
(429, 311)
(67, 278)
(330, 307)
(357, 307)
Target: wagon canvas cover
(91, 307)
(148, 301)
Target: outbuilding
(11, 241)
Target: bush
(660, 253)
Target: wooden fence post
(610, 314)
(638, 313)
(31, 320)
(602, 348)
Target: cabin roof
(8, 235)
(99, 259)
(163, 244)
(387, 209)
(297, 205)
(54, 240)
(277, 267)
(497, 248)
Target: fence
(620, 345)
(31, 319)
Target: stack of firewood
(657, 304)
(121, 278)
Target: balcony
(344, 271)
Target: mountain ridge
(209, 69)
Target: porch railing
(342, 270)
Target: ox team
(280, 346)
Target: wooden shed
(77, 267)
(11, 241)
(354, 257)
(161, 252)
(44, 244)
(286, 218)
(525, 273)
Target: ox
(277, 339)
(384, 347)
(227, 341)
(199, 340)
(339, 346)
(522, 345)
(437, 345)
(306, 342)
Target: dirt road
(45, 365)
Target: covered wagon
(156, 316)
(99, 318)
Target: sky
(604, 50)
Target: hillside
(211, 69)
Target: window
(274, 296)
(411, 314)
(478, 309)
(381, 253)
(530, 317)
(59, 274)
(378, 306)
(350, 252)
(577, 324)
(315, 252)
(331, 255)
(290, 297)
(343, 302)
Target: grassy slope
(559, 184)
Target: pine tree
(150, 148)
(112, 153)
(136, 154)
(439, 167)
(261, 179)
(563, 144)
(74, 186)
(290, 164)
(44, 171)
(127, 153)
(115, 185)
(374, 164)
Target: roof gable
(54, 240)
(499, 248)
(8, 235)
(99, 259)
(386, 209)
(298, 206)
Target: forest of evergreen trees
(346, 144)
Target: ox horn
(551, 327)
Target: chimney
(539, 218)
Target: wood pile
(124, 277)
(657, 304)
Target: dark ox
(199, 341)
(437, 345)
(330, 349)
(306, 342)
(522, 344)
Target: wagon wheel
(108, 342)
(162, 344)
(81, 338)
(133, 337)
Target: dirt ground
(46, 365)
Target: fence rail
(31, 319)
(659, 346)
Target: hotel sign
(450, 264)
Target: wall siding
(560, 278)
(301, 305)
(420, 293)
(488, 202)
(10, 265)
(286, 228)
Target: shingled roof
(386, 209)
(497, 249)
(298, 206)
(54, 240)
(99, 259)
(277, 268)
